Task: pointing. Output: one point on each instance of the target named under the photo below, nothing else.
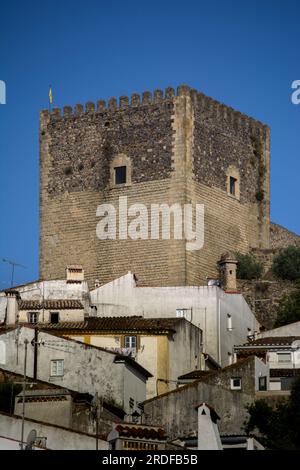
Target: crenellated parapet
(210, 108)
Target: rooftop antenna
(13, 264)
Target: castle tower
(161, 148)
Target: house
(47, 300)
(84, 368)
(280, 353)
(167, 347)
(224, 316)
(227, 390)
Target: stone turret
(227, 267)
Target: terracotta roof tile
(195, 374)
(59, 304)
(270, 341)
(128, 324)
(140, 432)
(284, 372)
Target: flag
(50, 95)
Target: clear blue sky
(243, 53)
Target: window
(130, 342)
(54, 317)
(57, 368)
(33, 317)
(233, 182)
(236, 383)
(262, 383)
(181, 312)
(284, 357)
(232, 185)
(120, 175)
(131, 403)
(120, 171)
(229, 322)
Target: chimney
(227, 267)
(208, 432)
(74, 274)
(12, 309)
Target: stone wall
(179, 149)
(263, 297)
(280, 237)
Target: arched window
(120, 171)
(233, 182)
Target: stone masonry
(178, 148)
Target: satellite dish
(31, 438)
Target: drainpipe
(35, 353)
(219, 331)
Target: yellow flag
(50, 95)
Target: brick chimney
(227, 268)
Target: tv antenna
(13, 265)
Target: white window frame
(284, 354)
(57, 368)
(235, 387)
(29, 317)
(181, 312)
(132, 341)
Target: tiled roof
(133, 324)
(60, 304)
(271, 341)
(284, 372)
(195, 374)
(140, 432)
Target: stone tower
(161, 148)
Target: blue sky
(245, 54)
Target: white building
(224, 317)
(76, 366)
(280, 353)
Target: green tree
(286, 265)
(248, 267)
(288, 309)
(279, 427)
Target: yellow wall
(153, 355)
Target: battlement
(213, 109)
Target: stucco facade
(167, 348)
(82, 368)
(177, 409)
(225, 318)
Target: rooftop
(59, 304)
(127, 324)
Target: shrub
(248, 267)
(286, 264)
(289, 309)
